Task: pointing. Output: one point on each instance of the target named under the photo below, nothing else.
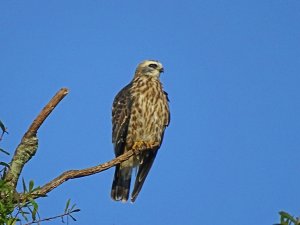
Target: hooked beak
(161, 70)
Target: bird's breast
(149, 112)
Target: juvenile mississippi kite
(140, 115)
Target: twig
(29, 143)
(4, 130)
(54, 217)
(1, 135)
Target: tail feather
(121, 184)
(144, 168)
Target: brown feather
(120, 119)
(140, 115)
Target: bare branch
(29, 143)
(32, 130)
(28, 147)
(72, 174)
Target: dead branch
(72, 174)
(32, 130)
(29, 143)
(28, 147)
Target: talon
(137, 146)
(140, 145)
(152, 144)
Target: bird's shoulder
(123, 94)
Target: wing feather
(143, 170)
(120, 119)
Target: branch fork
(29, 145)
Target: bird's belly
(147, 120)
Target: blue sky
(232, 71)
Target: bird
(140, 115)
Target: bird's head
(151, 68)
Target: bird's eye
(154, 66)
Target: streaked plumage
(140, 115)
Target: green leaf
(31, 184)
(34, 204)
(11, 221)
(75, 210)
(73, 206)
(67, 205)
(72, 217)
(35, 189)
(5, 152)
(285, 215)
(35, 209)
(24, 185)
(24, 215)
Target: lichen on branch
(29, 143)
(24, 152)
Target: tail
(146, 164)
(121, 184)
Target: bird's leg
(137, 146)
(140, 145)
